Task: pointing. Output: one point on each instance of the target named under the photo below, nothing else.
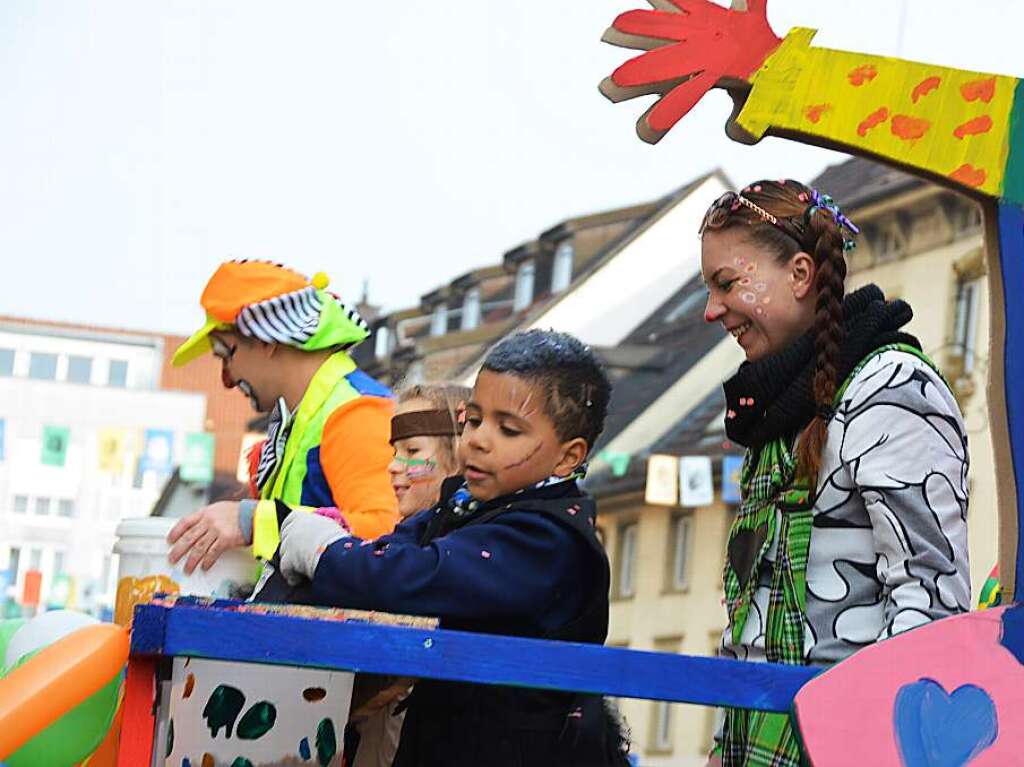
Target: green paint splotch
(326, 742)
(222, 709)
(257, 721)
(170, 737)
(241, 761)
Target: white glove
(304, 537)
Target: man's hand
(205, 535)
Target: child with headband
(424, 432)
(424, 436)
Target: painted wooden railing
(234, 634)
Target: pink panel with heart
(943, 695)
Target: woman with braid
(853, 523)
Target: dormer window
(471, 309)
(381, 345)
(524, 285)
(439, 320)
(891, 243)
(968, 219)
(561, 272)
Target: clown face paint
(246, 388)
(743, 281)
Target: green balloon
(7, 629)
(75, 735)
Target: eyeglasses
(222, 350)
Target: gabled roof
(571, 225)
(858, 182)
(678, 331)
(657, 210)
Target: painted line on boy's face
(527, 459)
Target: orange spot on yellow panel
(815, 111)
(909, 128)
(862, 74)
(877, 117)
(979, 89)
(923, 88)
(973, 127)
(968, 175)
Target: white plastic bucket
(306, 709)
(143, 568)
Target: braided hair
(786, 218)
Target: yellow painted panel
(948, 121)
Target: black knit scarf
(773, 397)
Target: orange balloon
(56, 679)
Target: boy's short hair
(576, 386)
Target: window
(381, 342)
(6, 362)
(118, 375)
(42, 506)
(42, 367)
(890, 242)
(662, 726)
(682, 526)
(561, 273)
(58, 562)
(65, 507)
(20, 505)
(439, 320)
(662, 718)
(966, 323)
(627, 560)
(968, 219)
(524, 286)
(79, 369)
(35, 559)
(471, 309)
(105, 572)
(13, 561)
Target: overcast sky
(400, 142)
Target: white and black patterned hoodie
(888, 549)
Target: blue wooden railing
(228, 634)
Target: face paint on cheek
(747, 297)
(418, 469)
(526, 459)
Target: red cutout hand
(692, 46)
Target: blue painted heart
(939, 729)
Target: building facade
(89, 437)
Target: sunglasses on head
(793, 226)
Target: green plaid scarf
(776, 506)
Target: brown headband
(423, 423)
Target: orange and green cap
(274, 304)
